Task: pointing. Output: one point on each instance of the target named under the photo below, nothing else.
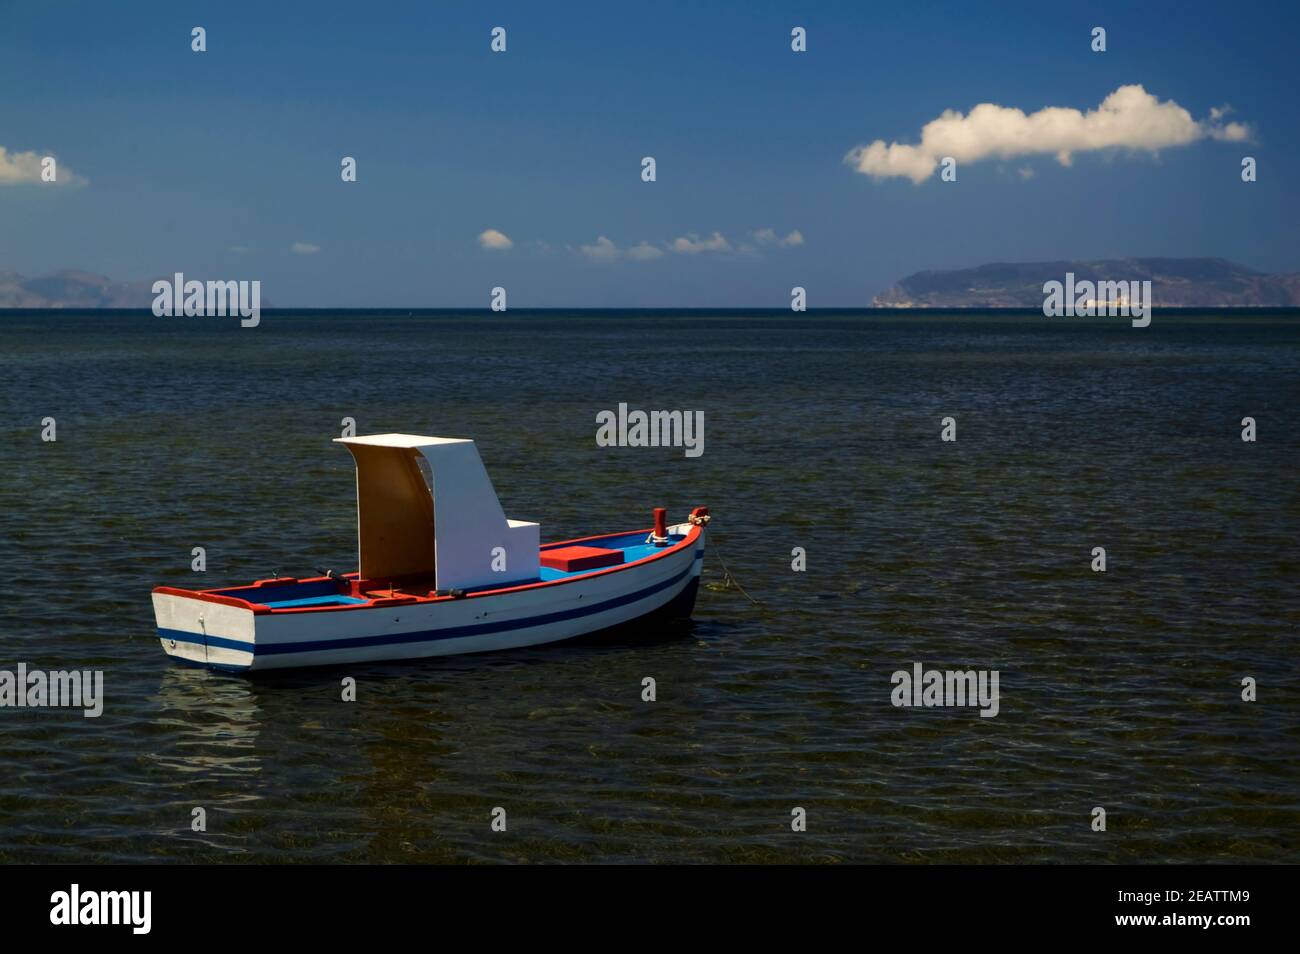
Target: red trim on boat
(210, 597)
(599, 536)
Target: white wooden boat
(441, 570)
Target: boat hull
(221, 635)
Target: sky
(523, 169)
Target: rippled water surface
(1118, 689)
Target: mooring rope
(730, 578)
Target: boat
(440, 571)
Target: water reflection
(210, 723)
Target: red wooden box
(571, 559)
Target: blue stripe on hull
(219, 642)
(429, 635)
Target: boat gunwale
(261, 609)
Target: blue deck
(325, 592)
(633, 546)
(335, 600)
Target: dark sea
(1119, 690)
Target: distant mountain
(72, 289)
(1175, 283)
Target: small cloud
(1232, 132)
(25, 168)
(603, 251)
(644, 252)
(1025, 172)
(692, 244)
(242, 250)
(768, 237)
(497, 241)
(304, 248)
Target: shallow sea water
(1118, 689)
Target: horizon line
(766, 309)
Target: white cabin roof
(401, 440)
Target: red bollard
(661, 527)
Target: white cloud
(692, 244)
(644, 252)
(492, 239)
(23, 168)
(1231, 132)
(1129, 118)
(769, 237)
(304, 248)
(603, 251)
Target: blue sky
(216, 164)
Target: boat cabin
(428, 517)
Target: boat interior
(558, 562)
(430, 527)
